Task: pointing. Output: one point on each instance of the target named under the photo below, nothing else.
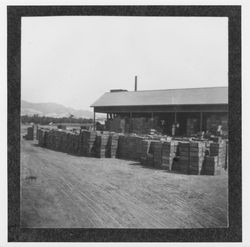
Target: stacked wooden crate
(127, 147)
(157, 154)
(210, 166)
(131, 145)
(48, 140)
(89, 139)
(45, 138)
(57, 141)
(145, 152)
(112, 145)
(196, 157)
(64, 141)
(30, 134)
(168, 154)
(68, 145)
(40, 136)
(81, 144)
(52, 139)
(124, 150)
(121, 144)
(219, 149)
(71, 143)
(100, 145)
(139, 148)
(183, 163)
(75, 143)
(150, 156)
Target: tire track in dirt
(138, 211)
(66, 186)
(107, 193)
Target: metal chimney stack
(135, 83)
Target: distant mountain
(52, 110)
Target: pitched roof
(186, 96)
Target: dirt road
(61, 190)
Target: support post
(175, 117)
(130, 122)
(94, 119)
(201, 123)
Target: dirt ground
(61, 190)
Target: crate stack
(157, 154)
(81, 144)
(182, 165)
(48, 140)
(219, 149)
(210, 166)
(63, 141)
(126, 148)
(138, 149)
(69, 143)
(121, 144)
(75, 143)
(70, 140)
(57, 140)
(150, 155)
(131, 147)
(145, 152)
(113, 145)
(30, 134)
(45, 138)
(100, 145)
(89, 139)
(53, 140)
(168, 154)
(196, 157)
(40, 136)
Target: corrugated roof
(186, 96)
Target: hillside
(52, 110)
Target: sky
(74, 60)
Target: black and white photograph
(125, 119)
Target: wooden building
(190, 110)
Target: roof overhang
(163, 108)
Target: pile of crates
(182, 165)
(100, 145)
(185, 156)
(196, 157)
(30, 134)
(168, 153)
(88, 142)
(157, 153)
(210, 166)
(112, 145)
(130, 147)
(220, 150)
(146, 158)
